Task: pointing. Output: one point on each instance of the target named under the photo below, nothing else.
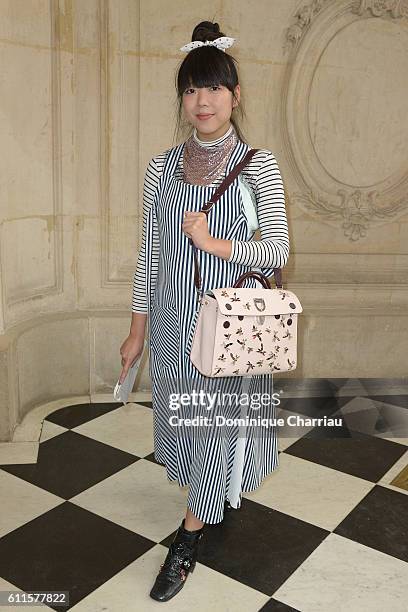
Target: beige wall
(87, 99)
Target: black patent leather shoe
(180, 560)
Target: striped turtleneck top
(261, 181)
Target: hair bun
(206, 30)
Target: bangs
(204, 67)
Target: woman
(218, 464)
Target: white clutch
(122, 391)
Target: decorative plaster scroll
(303, 18)
(351, 207)
(379, 8)
(357, 209)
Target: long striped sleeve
(272, 251)
(150, 242)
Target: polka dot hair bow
(221, 43)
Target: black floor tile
(374, 386)
(375, 418)
(257, 545)
(68, 549)
(337, 383)
(395, 400)
(147, 404)
(322, 387)
(276, 606)
(328, 432)
(316, 407)
(73, 416)
(363, 456)
(151, 458)
(379, 521)
(70, 463)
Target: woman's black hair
(203, 67)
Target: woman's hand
(195, 227)
(130, 350)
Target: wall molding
(26, 296)
(115, 272)
(352, 208)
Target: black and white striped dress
(218, 462)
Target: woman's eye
(211, 87)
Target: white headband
(221, 43)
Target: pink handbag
(244, 331)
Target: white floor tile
(129, 428)
(344, 576)
(311, 492)
(140, 498)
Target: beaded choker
(204, 165)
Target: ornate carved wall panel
(345, 134)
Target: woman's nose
(202, 98)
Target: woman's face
(209, 109)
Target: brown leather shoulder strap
(208, 205)
(228, 180)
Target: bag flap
(255, 301)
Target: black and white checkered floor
(327, 531)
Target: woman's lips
(203, 117)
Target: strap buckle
(207, 210)
(199, 295)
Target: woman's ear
(237, 91)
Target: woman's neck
(216, 141)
